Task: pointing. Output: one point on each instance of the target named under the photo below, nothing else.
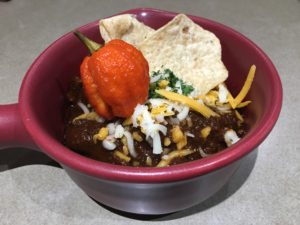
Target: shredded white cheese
(83, 107)
(119, 131)
(231, 137)
(130, 144)
(223, 92)
(111, 128)
(183, 114)
(142, 118)
(178, 86)
(202, 153)
(138, 112)
(189, 134)
(157, 148)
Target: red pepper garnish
(115, 78)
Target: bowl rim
(71, 159)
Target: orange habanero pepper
(115, 79)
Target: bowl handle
(12, 130)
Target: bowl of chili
(36, 121)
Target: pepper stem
(91, 45)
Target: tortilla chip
(192, 53)
(125, 27)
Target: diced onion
(108, 145)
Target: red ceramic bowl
(37, 120)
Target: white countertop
(32, 192)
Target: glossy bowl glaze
(141, 190)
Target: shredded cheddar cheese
(167, 159)
(163, 83)
(148, 161)
(245, 89)
(230, 99)
(243, 104)
(177, 134)
(101, 135)
(127, 122)
(239, 116)
(122, 156)
(125, 150)
(182, 143)
(87, 116)
(137, 137)
(213, 93)
(167, 141)
(161, 110)
(205, 132)
(193, 104)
